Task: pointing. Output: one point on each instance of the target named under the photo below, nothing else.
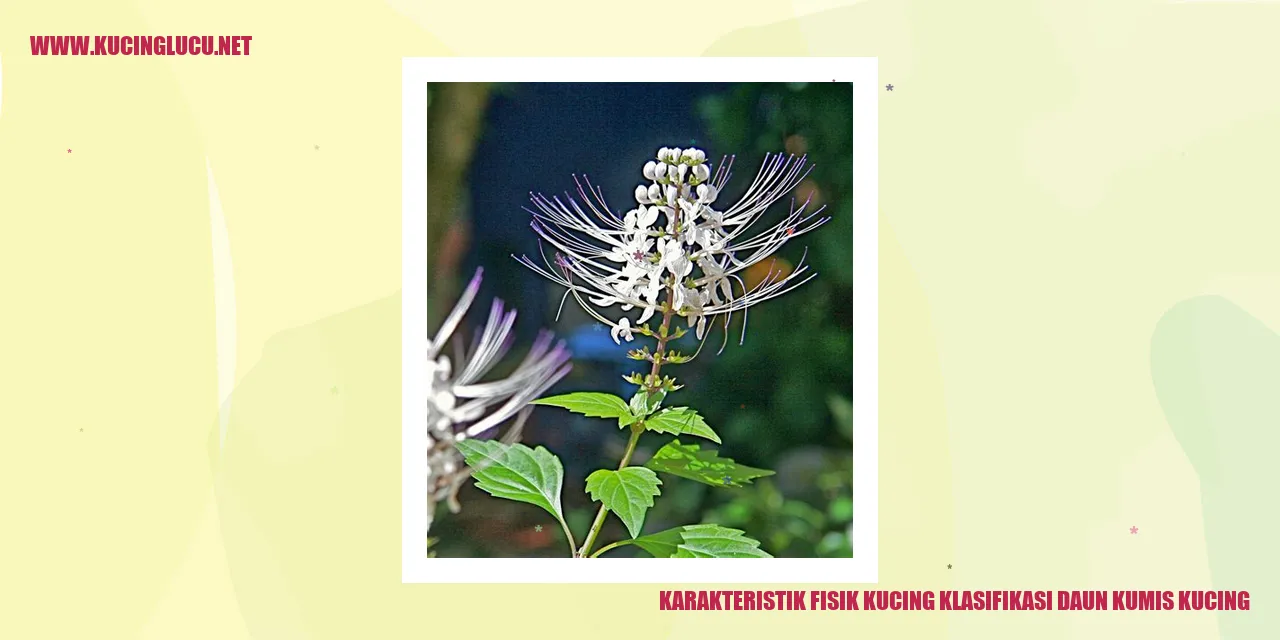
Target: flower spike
(674, 240)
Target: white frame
(416, 567)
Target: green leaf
(628, 493)
(591, 404)
(689, 461)
(680, 421)
(643, 403)
(516, 472)
(700, 541)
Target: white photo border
(416, 567)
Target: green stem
(568, 535)
(636, 430)
(663, 337)
(610, 546)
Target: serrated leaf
(628, 493)
(680, 421)
(690, 461)
(700, 541)
(590, 404)
(516, 472)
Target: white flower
(690, 212)
(674, 259)
(634, 249)
(625, 285)
(690, 302)
(701, 173)
(717, 283)
(461, 406)
(641, 218)
(603, 259)
(623, 329)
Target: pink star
(1133, 530)
(68, 151)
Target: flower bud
(655, 192)
(662, 154)
(706, 193)
(675, 155)
(701, 172)
(689, 155)
(649, 168)
(642, 195)
(672, 194)
(672, 173)
(681, 170)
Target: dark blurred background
(780, 401)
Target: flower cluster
(460, 406)
(675, 250)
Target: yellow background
(1061, 186)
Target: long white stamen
(606, 259)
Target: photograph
(640, 330)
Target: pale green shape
(628, 493)
(680, 421)
(842, 413)
(1216, 371)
